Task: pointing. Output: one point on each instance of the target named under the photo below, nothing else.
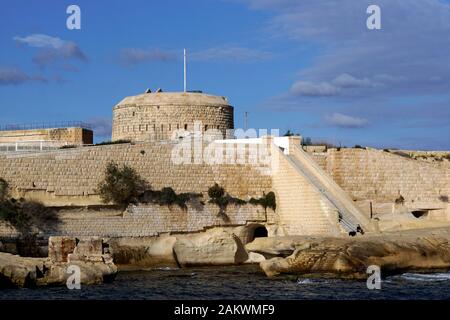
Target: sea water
(245, 282)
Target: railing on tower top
(46, 125)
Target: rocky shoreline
(344, 257)
(350, 257)
(89, 254)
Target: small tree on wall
(121, 185)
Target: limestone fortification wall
(76, 136)
(156, 116)
(381, 176)
(71, 176)
(146, 220)
(320, 158)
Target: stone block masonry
(157, 116)
(71, 176)
(147, 220)
(70, 136)
(381, 177)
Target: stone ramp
(350, 215)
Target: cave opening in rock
(420, 213)
(260, 232)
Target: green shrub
(266, 201)
(104, 143)
(270, 201)
(219, 197)
(167, 196)
(216, 191)
(4, 187)
(121, 185)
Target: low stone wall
(77, 136)
(147, 220)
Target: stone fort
(157, 116)
(319, 190)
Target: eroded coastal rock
(89, 254)
(16, 271)
(143, 253)
(350, 258)
(213, 247)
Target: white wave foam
(426, 276)
(166, 269)
(304, 281)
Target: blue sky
(306, 65)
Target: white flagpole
(184, 54)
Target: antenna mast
(184, 55)
(245, 120)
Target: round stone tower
(156, 116)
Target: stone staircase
(349, 215)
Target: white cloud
(311, 89)
(344, 121)
(346, 80)
(230, 53)
(12, 76)
(337, 86)
(133, 56)
(15, 76)
(52, 49)
(41, 41)
(406, 53)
